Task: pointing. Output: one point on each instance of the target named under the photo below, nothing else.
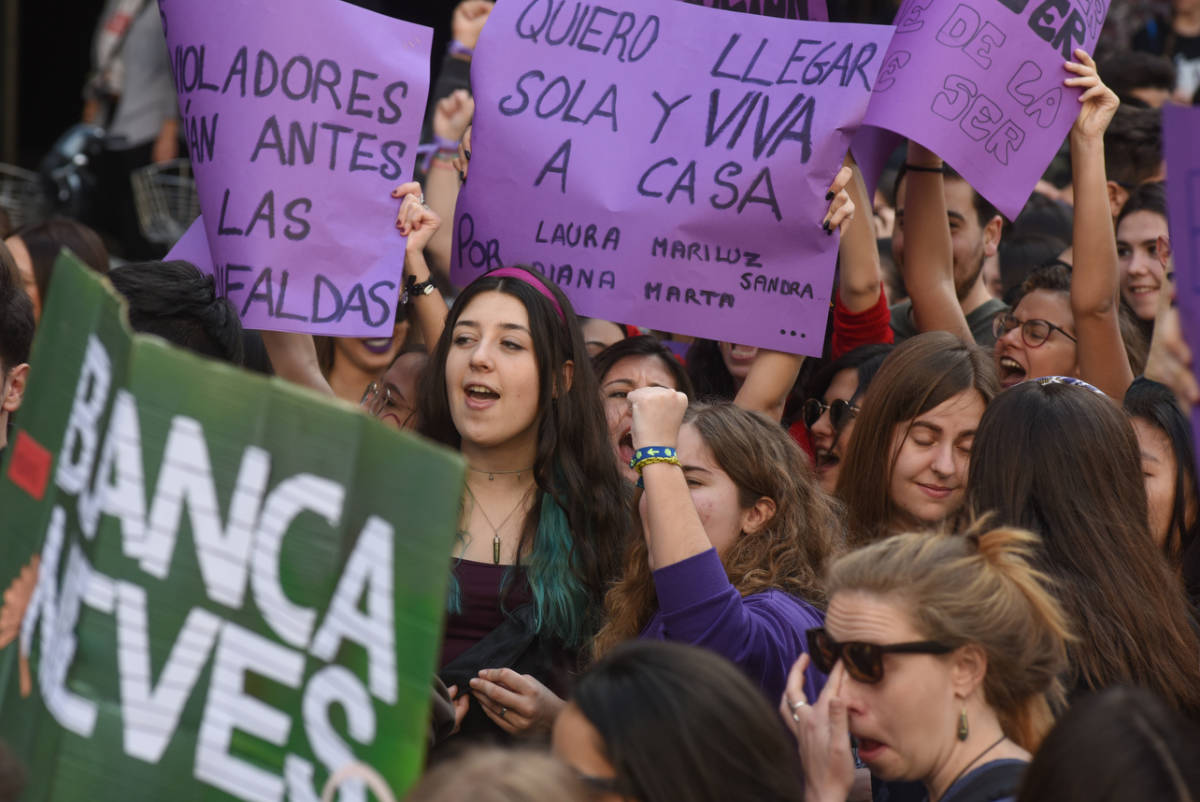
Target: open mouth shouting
(480, 396)
(1010, 371)
(625, 447)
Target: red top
(854, 329)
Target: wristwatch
(413, 288)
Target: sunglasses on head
(840, 412)
(863, 661)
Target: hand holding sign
(670, 166)
(296, 113)
(976, 83)
(841, 208)
(1098, 103)
(415, 220)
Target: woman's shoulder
(784, 605)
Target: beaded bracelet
(652, 454)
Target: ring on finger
(796, 705)
(503, 712)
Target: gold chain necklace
(496, 529)
(493, 474)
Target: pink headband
(524, 275)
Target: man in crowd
(975, 235)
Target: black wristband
(414, 289)
(920, 168)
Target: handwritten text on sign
(665, 164)
(297, 132)
(980, 82)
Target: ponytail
(980, 588)
(179, 303)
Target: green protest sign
(216, 586)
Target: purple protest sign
(811, 10)
(981, 84)
(300, 117)
(193, 247)
(1183, 208)
(665, 164)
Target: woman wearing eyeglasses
(829, 413)
(393, 398)
(944, 653)
(1076, 331)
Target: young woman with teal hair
(545, 510)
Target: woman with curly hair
(735, 534)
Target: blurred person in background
(16, 339)
(662, 722)
(1122, 745)
(35, 248)
(493, 774)
(130, 94)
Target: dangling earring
(963, 730)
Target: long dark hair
(1155, 404)
(710, 377)
(919, 374)
(1121, 744)
(44, 240)
(573, 466)
(1062, 461)
(179, 303)
(1149, 197)
(865, 360)
(679, 722)
(642, 345)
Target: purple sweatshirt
(762, 634)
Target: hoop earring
(963, 729)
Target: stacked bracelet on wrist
(650, 455)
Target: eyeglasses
(863, 661)
(840, 412)
(1033, 332)
(378, 397)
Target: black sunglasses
(840, 412)
(863, 661)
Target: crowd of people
(955, 558)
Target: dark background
(45, 47)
